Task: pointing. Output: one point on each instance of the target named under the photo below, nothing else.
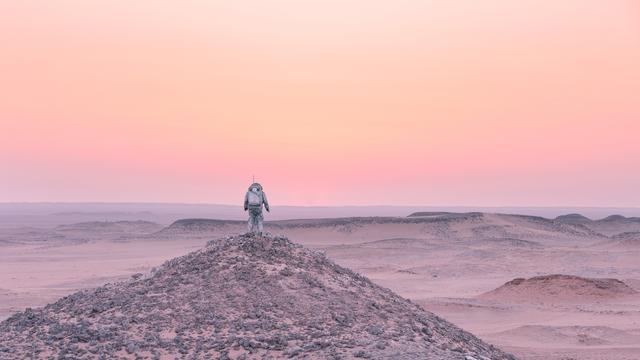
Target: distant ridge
(200, 223)
(615, 218)
(573, 218)
(429, 213)
(443, 225)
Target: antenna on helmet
(253, 178)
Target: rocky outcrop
(559, 288)
(242, 297)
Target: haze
(492, 103)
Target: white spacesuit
(254, 199)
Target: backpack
(254, 199)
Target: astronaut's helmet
(255, 187)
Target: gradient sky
(326, 102)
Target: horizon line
(309, 206)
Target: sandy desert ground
(491, 274)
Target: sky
(459, 103)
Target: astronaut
(254, 199)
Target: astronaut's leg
(259, 220)
(251, 222)
(255, 220)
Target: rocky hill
(573, 218)
(242, 297)
(559, 288)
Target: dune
(559, 288)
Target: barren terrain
(564, 288)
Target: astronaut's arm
(264, 200)
(246, 202)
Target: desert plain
(565, 287)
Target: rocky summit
(241, 297)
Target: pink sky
(326, 102)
